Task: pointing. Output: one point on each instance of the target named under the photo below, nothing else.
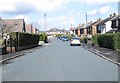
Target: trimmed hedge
(95, 40)
(24, 39)
(2, 41)
(111, 41)
(43, 37)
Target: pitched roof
(81, 26)
(12, 25)
(105, 20)
(54, 30)
(116, 17)
(94, 23)
(57, 30)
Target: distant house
(80, 30)
(115, 24)
(56, 31)
(35, 30)
(72, 31)
(29, 28)
(13, 25)
(105, 25)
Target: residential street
(60, 62)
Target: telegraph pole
(45, 22)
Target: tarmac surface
(60, 62)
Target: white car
(75, 41)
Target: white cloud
(102, 10)
(96, 1)
(105, 9)
(93, 12)
(46, 5)
(6, 6)
(26, 18)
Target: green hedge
(24, 39)
(95, 39)
(111, 41)
(2, 41)
(43, 37)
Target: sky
(59, 13)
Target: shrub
(43, 37)
(84, 40)
(24, 39)
(59, 35)
(111, 41)
(95, 40)
(106, 40)
(2, 41)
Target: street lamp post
(85, 18)
(45, 22)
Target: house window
(81, 31)
(117, 23)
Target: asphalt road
(60, 62)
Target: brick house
(35, 30)
(81, 30)
(105, 25)
(91, 28)
(116, 23)
(13, 25)
(29, 28)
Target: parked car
(75, 41)
(65, 38)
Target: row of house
(101, 26)
(16, 25)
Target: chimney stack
(98, 19)
(114, 14)
(110, 15)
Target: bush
(111, 41)
(43, 37)
(2, 41)
(106, 40)
(59, 35)
(84, 40)
(24, 39)
(95, 40)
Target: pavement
(108, 54)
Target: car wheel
(70, 44)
